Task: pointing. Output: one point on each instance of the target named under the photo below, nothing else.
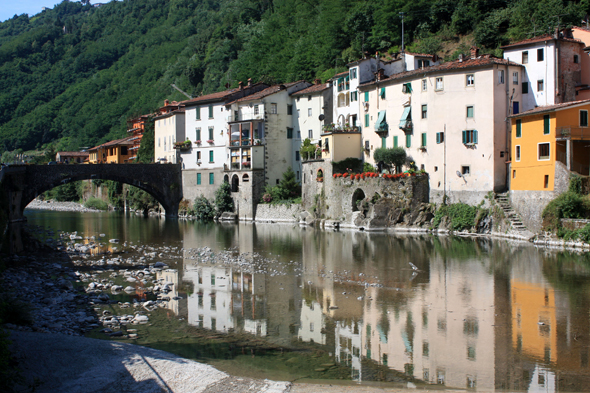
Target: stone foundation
(278, 213)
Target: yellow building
(113, 152)
(545, 136)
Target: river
(283, 302)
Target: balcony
(571, 132)
(183, 146)
(334, 129)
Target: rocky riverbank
(59, 206)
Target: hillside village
(477, 125)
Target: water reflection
(463, 313)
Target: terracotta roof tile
(419, 54)
(481, 61)
(219, 96)
(124, 141)
(541, 38)
(312, 89)
(549, 108)
(266, 92)
(73, 153)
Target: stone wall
(530, 204)
(367, 203)
(248, 195)
(190, 188)
(572, 224)
(278, 213)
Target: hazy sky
(10, 7)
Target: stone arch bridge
(21, 184)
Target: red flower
(345, 174)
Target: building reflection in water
(464, 313)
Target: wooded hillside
(73, 75)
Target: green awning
(380, 120)
(403, 123)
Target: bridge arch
(25, 183)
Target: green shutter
(518, 128)
(198, 134)
(464, 136)
(546, 123)
(366, 120)
(383, 143)
(289, 133)
(383, 92)
(198, 113)
(211, 156)
(366, 96)
(474, 136)
(198, 178)
(211, 178)
(395, 141)
(210, 133)
(438, 137)
(408, 140)
(423, 139)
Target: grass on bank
(95, 203)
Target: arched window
(235, 183)
(245, 178)
(226, 179)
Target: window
(515, 78)
(576, 59)
(382, 94)
(289, 109)
(366, 120)
(211, 156)
(210, 111)
(308, 98)
(407, 88)
(423, 139)
(198, 130)
(211, 178)
(546, 181)
(210, 133)
(543, 151)
(198, 178)
(583, 118)
(158, 142)
(546, 124)
(310, 134)
(518, 128)
(501, 77)
(424, 111)
(440, 137)
(540, 85)
(423, 63)
(525, 88)
(408, 140)
(515, 108)
(395, 144)
(366, 96)
(354, 96)
(465, 170)
(439, 83)
(198, 113)
(470, 111)
(525, 57)
(308, 112)
(273, 109)
(540, 54)
(347, 81)
(517, 153)
(353, 73)
(343, 100)
(289, 133)
(470, 80)
(296, 155)
(424, 85)
(470, 137)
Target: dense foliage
(570, 204)
(74, 74)
(203, 209)
(223, 200)
(395, 156)
(287, 191)
(462, 216)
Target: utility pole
(401, 14)
(445, 166)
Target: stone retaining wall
(278, 213)
(572, 224)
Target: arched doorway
(226, 179)
(357, 196)
(235, 183)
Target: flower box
(210, 141)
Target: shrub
(392, 157)
(462, 216)
(575, 185)
(368, 167)
(567, 205)
(204, 210)
(347, 165)
(95, 203)
(223, 200)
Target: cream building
(168, 129)
(450, 119)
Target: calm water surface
(464, 313)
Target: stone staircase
(503, 200)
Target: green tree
(145, 153)
(289, 187)
(204, 210)
(395, 156)
(223, 200)
(140, 200)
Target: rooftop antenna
(177, 88)
(401, 14)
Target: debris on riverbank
(59, 206)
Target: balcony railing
(572, 132)
(333, 128)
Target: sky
(8, 8)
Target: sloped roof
(266, 92)
(312, 89)
(219, 96)
(482, 61)
(73, 153)
(419, 54)
(550, 108)
(541, 38)
(116, 142)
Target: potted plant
(198, 142)
(210, 141)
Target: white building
(451, 119)
(168, 129)
(552, 70)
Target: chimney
(461, 58)
(317, 82)
(380, 74)
(249, 82)
(474, 52)
(166, 102)
(240, 85)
